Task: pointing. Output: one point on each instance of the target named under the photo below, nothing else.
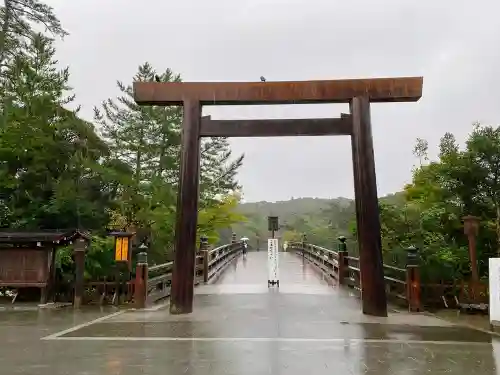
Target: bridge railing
(213, 262)
(159, 279)
(402, 284)
(153, 283)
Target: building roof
(60, 237)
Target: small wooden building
(27, 259)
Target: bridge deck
(239, 326)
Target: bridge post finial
(141, 277)
(342, 245)
(205, 254)
(343, 260)
(203, 243)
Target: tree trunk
(5, 29)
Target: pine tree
(18, 17)
(47, 152)
(147, 140)
(218, 170)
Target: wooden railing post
(471, 229)
(141, 279)
(343, 261)
(79, 253)
(304, 239)
(413, 280)
(206, 254)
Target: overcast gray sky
(455, 45)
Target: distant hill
(326, 217)
(306, 206)
(294, 206)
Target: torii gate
(357, 92)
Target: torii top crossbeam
(403, 89)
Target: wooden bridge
(335, 267)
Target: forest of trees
(118, 171)
(427, 213)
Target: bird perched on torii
(262, 79)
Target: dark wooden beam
(404, 89)
(181, 293)
(276, 128)
(373, 295)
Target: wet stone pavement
(240, 326)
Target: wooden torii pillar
(359, 93)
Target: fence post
(79, 253)
(413, 280)
(304, 239)
(141, 278)
(205, 253)
(471, 228)
(343, 262)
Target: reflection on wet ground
(471, 319)
(264, 329)
(239, 326)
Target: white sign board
(272, 261)
(494, 272)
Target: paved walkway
(240, 326)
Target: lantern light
(122, 246)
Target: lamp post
(413, 279)
(122, 246)
(471, 229)
(123, 256)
